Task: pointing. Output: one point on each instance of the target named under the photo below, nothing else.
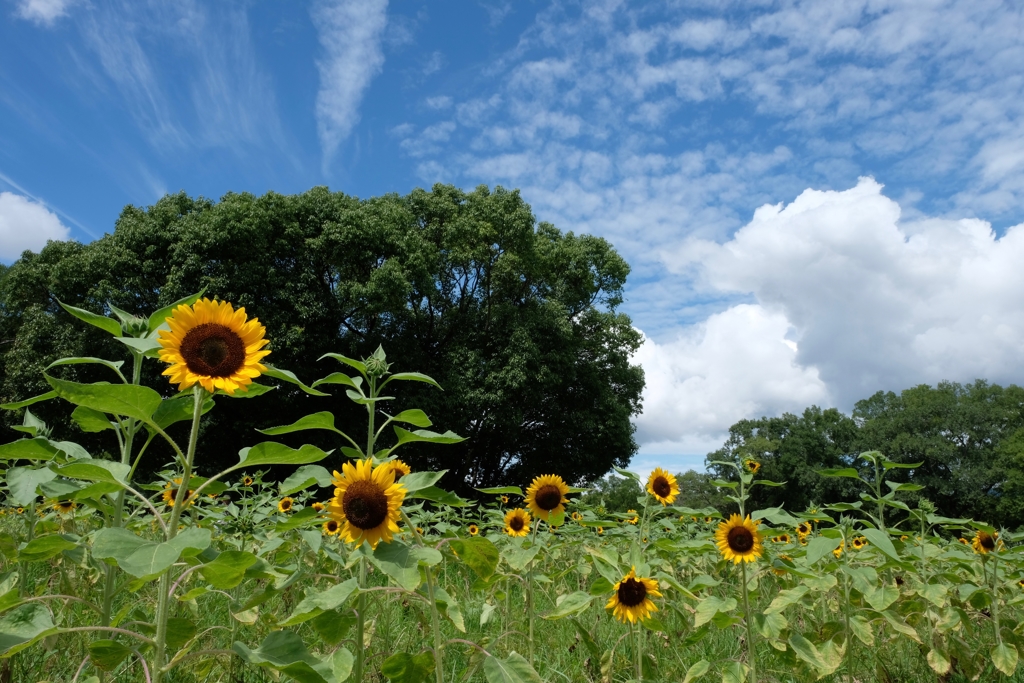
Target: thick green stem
(748, 619)
(849, 633)
(360, 624)
(529, 593)
(995, 598)
(639, 651)
(436, 624)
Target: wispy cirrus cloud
(350, 34)
(44, 12)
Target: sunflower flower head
(367, 502)
(247, 481)
(577, 517)
(318, 506)
(517, 522)
(738, 539)
(285, 504)
(65, 507)
(331, 527)
(859, 542)
(631, 600)
(985, 542)
(504, 500)
(635, 517)
(662, 486)
(400, 468)
(751, 465)
(784, 538)
(838, 552)
(211, 344)
(546, 496)
(171, 492)
(803, 529)
(473, 529)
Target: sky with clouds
(819, 198)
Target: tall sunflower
(517, 522)
(738, 539)
(662, 486)
(984, 542)
(631, 600)
(171, 492)
(213, 345)
(546, 496)
(366, 502)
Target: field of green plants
(372, 571)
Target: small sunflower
(171, 492)
(963, 540)
(420, 530)
(473, 529)
(1021, 583)
(65, 507)
(331, 527)
(775, 539)
(576, 517)
(367, 501)
(693, 519)
(662, 486)
(504, 500)
(784, 538)
(631, 600)
(247, 481)
(318, 506)
(803, 529)
(738, 539)
(985, 542)
(400, 468)
(859, 542)
(517, 522)
(709, 520)
(751, 465)
(546, 496)
(635, 518)
(20, 510)
(600, 530)
(904, 538)
(211, 344)
(838, 552)
(285, 504)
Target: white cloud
(25, 224)
(350, 34)
(439, 102)
(44, 12)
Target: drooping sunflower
(331, 527)
(662, 486)
(473, 529)
(247, 481)
(400, 468)
(631, 600)
(738, 539)
(211, 344)
(285, 504)
(318, 506)
(635, 518)
(904, 538)
(171, 492)
(367, 501)
(838, 552)
(517, 522)
(546, 496)
(859, 542)
(985, 542)
(65, 507)
(803, 529)
(751, 465)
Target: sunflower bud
(376, 367)
(136, 327)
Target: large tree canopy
(516, 320)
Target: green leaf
(401, 562)
(734, 672)
(897, 624)
(696, 671)
(179, 632)
(28, 449)
(23, 626)
(934, 593)
(478, 554)
(415, 481)
(106, 471)
(228, 569)
(939, 662)
(107, 654)
(283, 651)
(888, 465)
(848, 472)
(403, 667)
(23, 482)
(287, 376)
(321, 420)
(569, 604)
(45, 547)
(414, 416)
(439, 495)
(1005, 658)
(512, 669)
(425, 436)
(118, 399)
(862, 629)
(101, 321)
(304, 477)
(819, 547)
(147, 346)
(160, 316)
(29, 401)
(787, 597)
(338, 378)
(710, 606)
(358, 365)
(881, 540)
(91, 421)
(411, 377)
(626, 473)
(271, 453)
(502, 489)
(806, 651)
(143, 558)
(315, 604)
(81, 360)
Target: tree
(615, 494)
(517, 321)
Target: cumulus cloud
(350, 34)
(44, 12)
(25, 224)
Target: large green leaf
(413, 416)
(806, 651)
(339, 378)
(568, 605)
(478, 554)
(118, 399)
(847, 472)
(143, 558)
(321, 420)
(411, 377)
(881, 540)
(107, 654)
(288, 376)
(403, 667)
(38, 448)
(512, 669)
(101, 321)
(106, 471)
(425, 436)
(415, 481)
(82, 360)
(304, 477)
(228, 569)
(29, 401)
(710, 606)
(284, 651)
(1005, 658)
(819, 547)
(401, 562)
(45, 547)
(22, 626)
(316, 603)
(503, 489)
(696, 671)
(91, 421)
(271, 453)
(23, 482)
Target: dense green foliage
(969, 437)
(517, 321)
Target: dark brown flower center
(332, 526)
(987, 541)
(365, 505)
(286, 504)
(661, 487)
(548, 497)
(213, 350)
(632, 592)
(740, 539)
(65, 504)
(517, 523)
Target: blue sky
(818, 198)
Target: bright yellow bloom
(662, 486)
(517, 522)
(635, 518)
(859, 542)
(600, 530)
(171, 492)
(576, 517)
(318, 506)
(838, 552)
(546, 496)
(65, 507)
(985, 542)
(504, 500)
(751, 465)
(213, 345)
(331, 527)
(631, 600)
(803, 529)
(367, 501)
(738, 539)
(473, 529)
(400, 468)
(784, 538)
(285, 504)
(247, 481)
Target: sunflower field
(374, 572)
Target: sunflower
(985, 542)
(662, 486)
(751, 465)
(784, 538)
(775, 539)
(964, 540)
(20, 511)
(708, 520)
(65, 507)
(420, 530)
(632, 598)
(473, 529)
(635, 518)
(171, 492)
(576, 517)
(546, 496)
(838, 552)
(400, 468)
(600, 530)
(318, 506)
(803, 529)
(859, 542)
(331, 527)
(367, 501)
(904, 538)
(211, 344)
(738, 539)
(1021, 583)
(504, 500)
(285, 504)
(247, 481)
(517, 522)
(781, 572)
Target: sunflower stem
(639, 651)
(747, 618)
(995, 597)
(360, 623)
(436, 624)
(529, 592)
